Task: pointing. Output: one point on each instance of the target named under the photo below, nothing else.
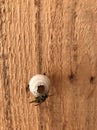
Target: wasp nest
(39, 85)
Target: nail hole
(71, 76)
(92, 79)
(41, 89)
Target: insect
(40, 99)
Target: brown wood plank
(56, 37)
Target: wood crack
(5, 84)
(73, 48)
(4, 72)
(38, 35)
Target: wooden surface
(58, 37)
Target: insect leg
(33, 101)
(38, 104)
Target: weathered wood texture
(58, 37)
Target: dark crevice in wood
(73, 44)
(92, 79)
(72, 77)
(27, 91)
(6, 88)
(39, 35)
(5, 79)
(27, 88)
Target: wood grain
(58, 37)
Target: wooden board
(58, 37)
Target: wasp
(40, 99)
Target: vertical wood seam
(5, 80)
(38, 35)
